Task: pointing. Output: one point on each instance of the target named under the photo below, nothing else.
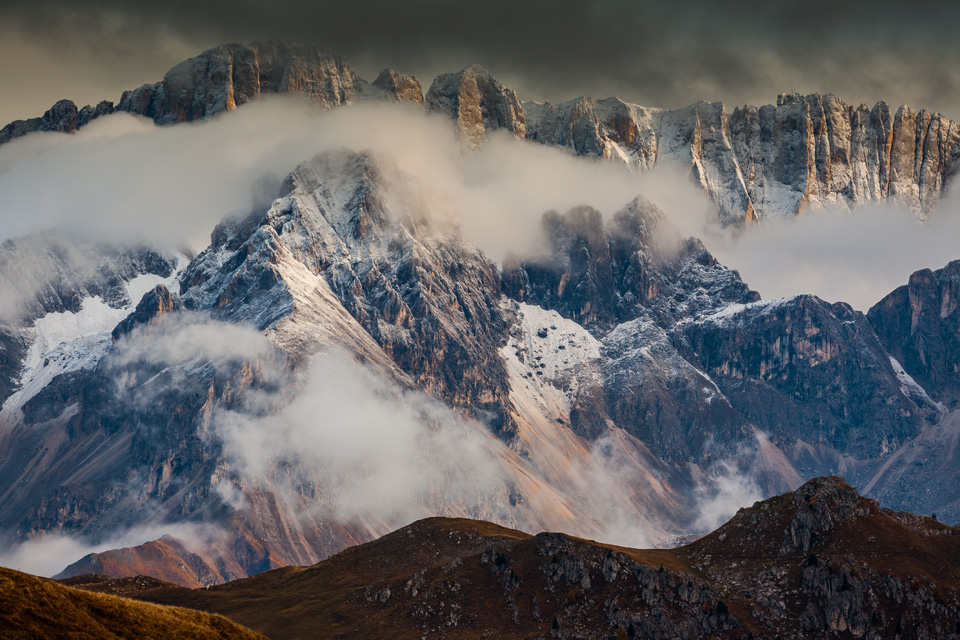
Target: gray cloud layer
(655, 53)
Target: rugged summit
(754, 162)
(773, 160)
(621, 361)
(227, 76)
(478, 103)
(919, 324)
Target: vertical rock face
(919, 324)
(773, 160)
(756, 162)
(399, 86)
(714, 361)
(225, 77)
(478, 103)
(609, 128)
(802, 368)
(152, 305)
(430, 301)
(817, 150)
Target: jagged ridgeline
(599, 387)
(754, 162)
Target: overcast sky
(656, 53)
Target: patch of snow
(67, 341)
(731, 311)
(554, 348)
(910, 387)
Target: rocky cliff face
(429, 301)
(399, 86)
(230, 75)
(225, 77)
(478, 103)
(716, 362)
(824, 151)
(754, 162)
(919, 324)
(602, 274)
(621, 335)
(773, 160)
(813, 366)
(623, 353)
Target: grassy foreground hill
(36, 608)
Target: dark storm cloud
(656, 53)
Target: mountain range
(754, 162)
(618, 382)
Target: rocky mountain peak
(229, 75)
(62, 117)
(478, 103)
(821, 504)
(795, 522)
(775, 160)
(399, 86)
(153, 304)
(919, 324)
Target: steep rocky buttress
(754, 162)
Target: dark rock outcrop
(154, 303)
(63, 117)
(399, 86)
(803, 368)
(601, 275)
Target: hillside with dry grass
(820, 562)
(36, 608)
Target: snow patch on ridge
(66, 341)
(728, 313)
(910, 387)
(552, 349)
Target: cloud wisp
(855, 256)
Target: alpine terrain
(340, 362)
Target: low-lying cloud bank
(122, 179)
(854, 256)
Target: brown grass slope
(821, 562)
(36, 608)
